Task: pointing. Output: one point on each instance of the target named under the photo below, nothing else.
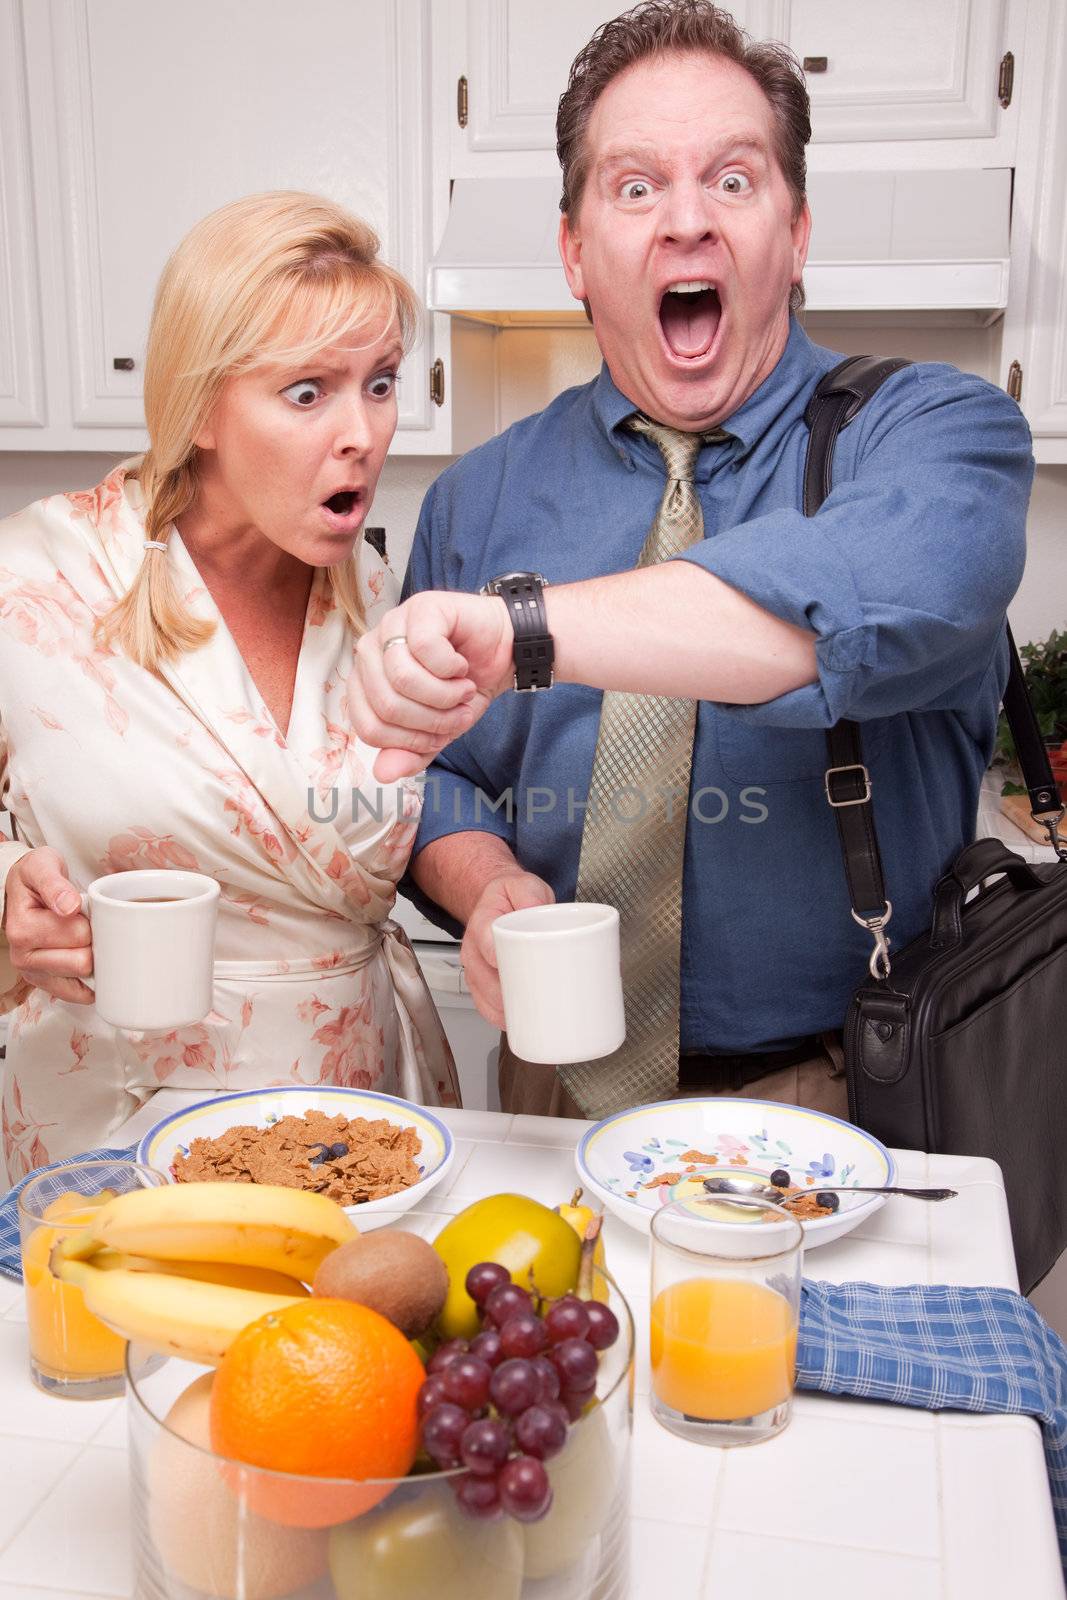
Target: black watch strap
(523, 594)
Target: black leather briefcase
(958, 1043)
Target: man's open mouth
(689, 314)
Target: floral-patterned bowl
(207, 1119)
(639, 1160)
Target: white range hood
(881, 241)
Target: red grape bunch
(500, 1405)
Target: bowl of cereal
(375, 1154)
(641, 1159)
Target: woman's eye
(635, 189)
(735, 183)
(383, 385)
(304, 393)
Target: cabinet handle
(437, 382)
(1014, 384)
(123, 363)
(1006, 80)
(815, 63)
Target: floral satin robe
(118, 769)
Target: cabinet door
(21, 364)
(909, 70)
(516, 57)
(1034, 346)
(165, 112)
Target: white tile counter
(870, 1500)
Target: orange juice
(722, 1348)
(66, 1341)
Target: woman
(174, 648)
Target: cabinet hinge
(1006, 81)
(437, 382)
(1014, 384)
(461, 102)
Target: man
(662, 505)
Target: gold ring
(398, 638)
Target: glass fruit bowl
(199, 1530)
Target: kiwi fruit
(397, 1274)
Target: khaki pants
(817, 1083)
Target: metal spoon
(719, 1183)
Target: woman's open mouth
(690, 313)
(344, 510)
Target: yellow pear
(580, 1217)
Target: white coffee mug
(153, 947)
(561, 981)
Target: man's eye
(304, 393)
(383, 385)
(735, 183)
(635, 189)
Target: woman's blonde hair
(242, 290)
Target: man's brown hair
(682, 27)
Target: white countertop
(875, 1501)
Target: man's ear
(570, 253)
(801, 233)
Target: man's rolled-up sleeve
(905, 573)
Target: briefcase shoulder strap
(838, 397)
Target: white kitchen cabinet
(907, 84)
(21, 354)
(1034, 346)
(145, 115)
(906, 71)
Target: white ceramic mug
(153, 947)
(561, 981)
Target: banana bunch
(183, 1268)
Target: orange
(327, 1389)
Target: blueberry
(338, 1150)
(780, 1178)
(322, 1154)
(830, 1201)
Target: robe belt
(388, 938)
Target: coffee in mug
(153, 947)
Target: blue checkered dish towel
(941, 1349)
(10, 1255)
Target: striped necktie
(633, 840)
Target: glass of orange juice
(725, 1309)
(71, 1352)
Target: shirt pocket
(751, 754)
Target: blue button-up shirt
(903, 576)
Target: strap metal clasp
(856, 800)
(1050, 821)
(876, 925)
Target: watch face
(519, 577)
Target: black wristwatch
(523, 594)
